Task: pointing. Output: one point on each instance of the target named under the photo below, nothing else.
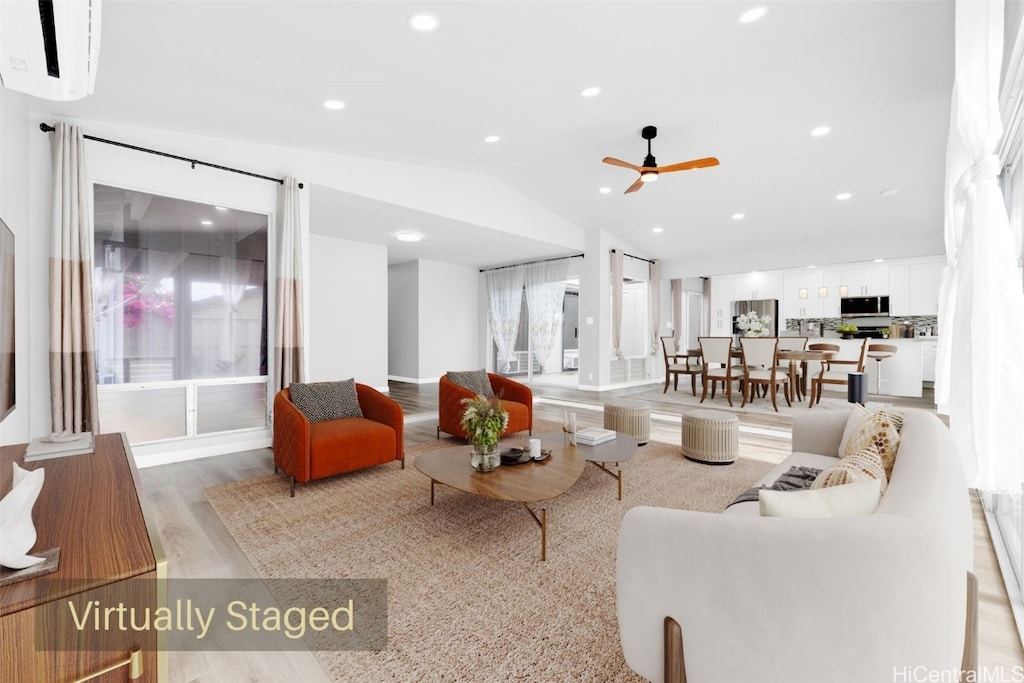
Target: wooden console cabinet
(92, 508)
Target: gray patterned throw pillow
(474, 380)
(322, 401)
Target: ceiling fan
(650, 169)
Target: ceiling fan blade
(619, 162)
(635, 186)
(687, 165)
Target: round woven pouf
(711, 436)
(629, 417)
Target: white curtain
(616, 266)
(981, 306)
(234, 278)
(677, 311)
(545, 298)
(289, 345)
(505, 302)
(73, 403)
(654, 301)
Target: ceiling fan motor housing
(649, 132)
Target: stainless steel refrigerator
(763, 307)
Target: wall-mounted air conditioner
(50, 48)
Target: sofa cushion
(882, 430)
(474, 380)
(797, 459)
(337, 446)
(860, 466)
(849, 500)
(322, 401)
(858, 414)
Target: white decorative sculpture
(17, 533)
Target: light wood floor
(198, 546)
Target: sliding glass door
(180, 294)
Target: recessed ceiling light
(605, 190)
(843, 196)
(591, 92)
(206, 221)
(820, 130)
(334, 105)
(491, 138)
(657, 228)
(424, 22)
(221, 208)
(738, 216)
(812, 266)
(409, 237)
(878, 260)
(889, 192)
(752, 15)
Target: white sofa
(867, 598)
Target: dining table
(802, 357)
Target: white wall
(348, 311)
(449, 326)
(403, 321)
(14, 209)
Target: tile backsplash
(918, 321)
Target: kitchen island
(903, 374)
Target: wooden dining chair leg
(775, 394)
(693, 383)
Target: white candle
(565, 419)
(572, 422)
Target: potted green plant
(484, 420)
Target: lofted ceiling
(878, 72)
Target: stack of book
(592, 436)
(59, 446)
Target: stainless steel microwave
(863, 306)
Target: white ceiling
(879, 72)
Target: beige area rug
(469, 598)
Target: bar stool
(880, 352)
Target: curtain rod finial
(46, 128)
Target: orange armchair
(515, 398)
(307, 451)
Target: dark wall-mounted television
(6, 320)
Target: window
(180, 293)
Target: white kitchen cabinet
(722, 290)
(925, 281)
(929, 353)
(756, 285)
(800, 294)
(899, 290)
(870, 280)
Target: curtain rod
(530, 263)
(638, 258)
(47, 128)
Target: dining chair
(760, 368)
(673, 368)
(717, 352)
(836, 370)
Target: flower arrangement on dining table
(754, 325)
(484, 420)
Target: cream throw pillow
(857, 415)
(882, 430)
(849, 500)
(863, 465)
